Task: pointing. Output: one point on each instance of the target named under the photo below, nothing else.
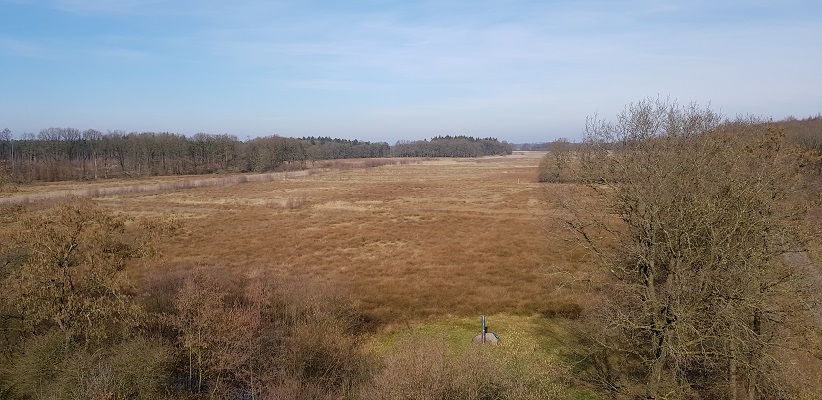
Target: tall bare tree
(554, 167)
(701, 214)
(6, 161)
(5, 143)
(92, 144)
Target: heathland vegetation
(673, 254)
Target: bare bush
(70, 271)
(264, 335)
(425, 368)
(29, 371)
(136, 368)
(416, 371)
(7, 184)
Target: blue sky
(522, 71)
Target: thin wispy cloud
(381, 70)
(22, 48)
(127, 55)
(113, 7)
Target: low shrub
(426, 368)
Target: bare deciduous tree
(700, 215)
(554, 167)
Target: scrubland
(396, 258)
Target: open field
(410, 241)
(441, 237)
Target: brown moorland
(441, 237)
(410, 241)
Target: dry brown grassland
(411, 241)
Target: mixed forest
(694, 241)
(57, 154)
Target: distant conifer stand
(486, 337)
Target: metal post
(483, 329)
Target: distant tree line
(531, 146)
(452, 146)
(326, 148)
(57, 154)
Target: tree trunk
(658, 329)
(732, 378)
